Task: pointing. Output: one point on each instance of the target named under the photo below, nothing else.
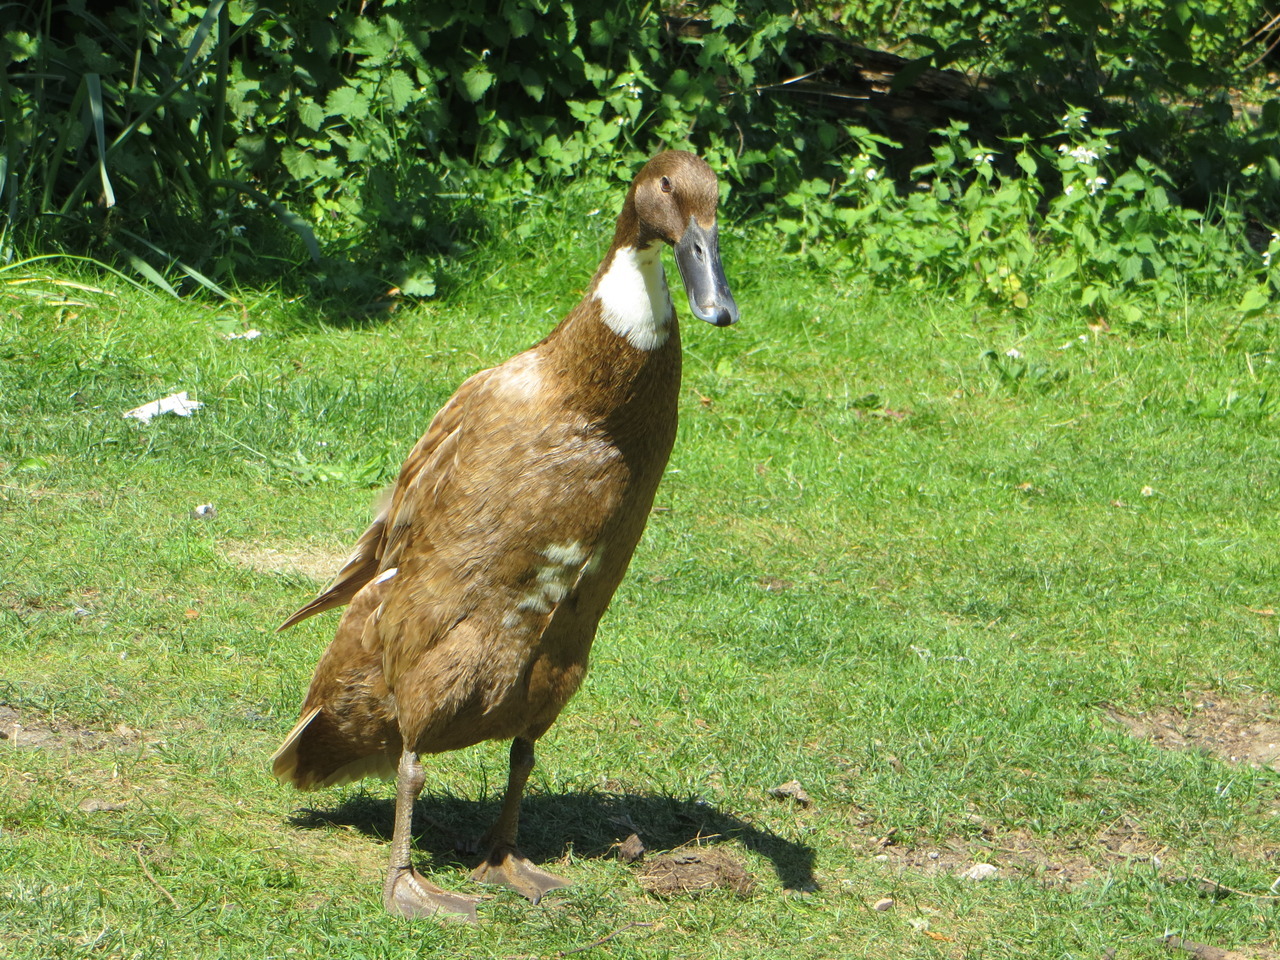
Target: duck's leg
(503, 863)
(407, 893)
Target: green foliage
(1042, 216)
(188, 142)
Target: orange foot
(505, 866)
(409, 894)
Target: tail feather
(316, 755)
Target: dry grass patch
(314, 563)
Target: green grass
(890, 562)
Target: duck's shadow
(594, 823)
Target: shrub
(199, 140)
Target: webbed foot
(505, 866)
(408, 894)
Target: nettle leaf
(298, 162)
(533, 83)
(311, 113)
(601, 34)
(585, 112)
(1255, 299)
(475, 82)
(347, 102)
(721, 16)
(400, 89)
(520, 19)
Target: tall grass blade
(145, 269)
(207, 23)
(190, 271)
(76, 258)
(93, 84)
(186, 78)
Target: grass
(890, 561)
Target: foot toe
(410, 895)
(509, 869)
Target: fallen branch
(1239, 893)
(154, 882)
(1202, 951)
(602, 941)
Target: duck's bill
(698, 258)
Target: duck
(473, 597)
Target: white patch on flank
(511, 620)
(521, 375)
(566, 554)
(634, 299)
(386, 575)
(554, 580)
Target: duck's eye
(665, 184)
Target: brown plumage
(474, 596)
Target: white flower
(1013, 352)
(985, 158)
(1069, 190)
(1275, 237)
(872, 173)
(1078, 154)
(237, 230)
(1096, 184)
(1266, 258)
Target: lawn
(995, 588)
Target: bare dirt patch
(1060, 862)
(1203, 951)
(27, 731)
(1014, 854)
(314, 563)
(1244, 732)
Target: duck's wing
(428, 465)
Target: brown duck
(474, 595)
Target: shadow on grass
(592, 822)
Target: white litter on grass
(980, 871)
(178, 403)
(247, 335)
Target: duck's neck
(618, 350)
(631, 289)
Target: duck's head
(674, 197)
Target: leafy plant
(194, 142)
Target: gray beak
(698, 257)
